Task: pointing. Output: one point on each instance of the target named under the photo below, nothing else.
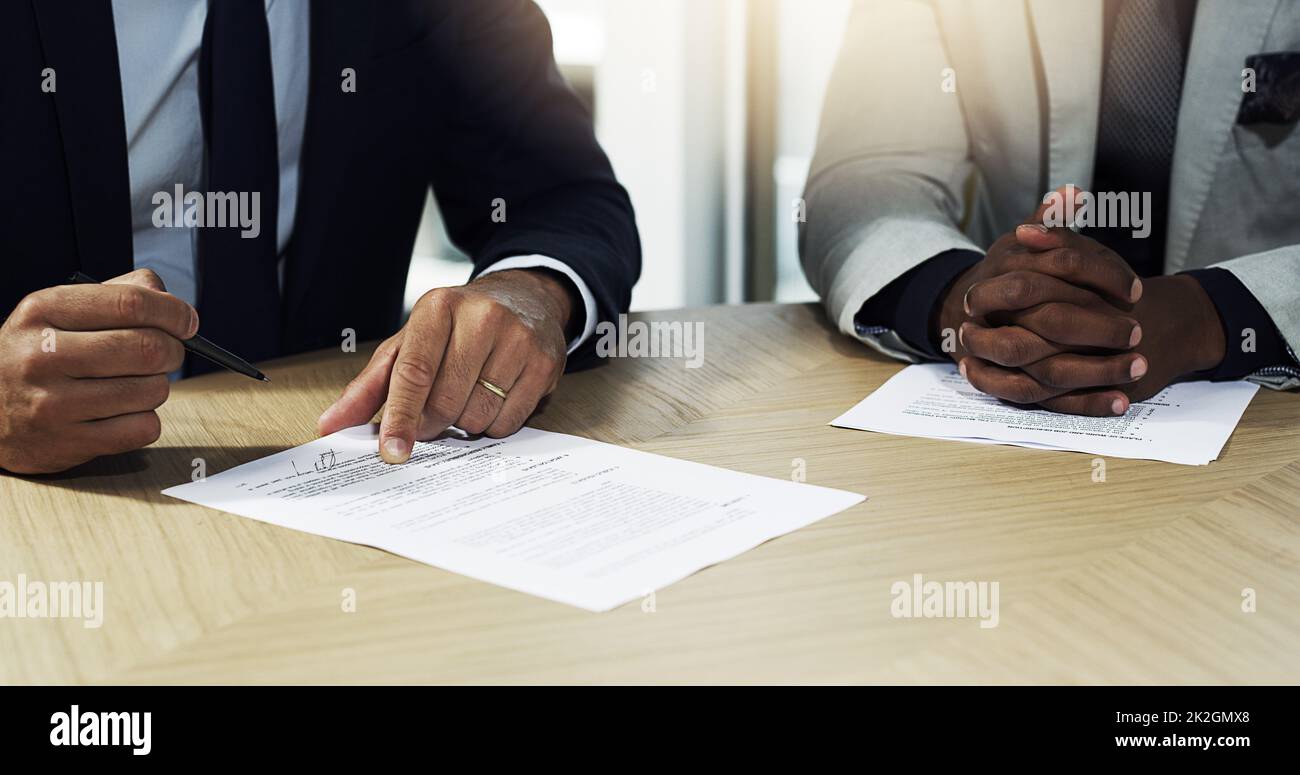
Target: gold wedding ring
(492, 387)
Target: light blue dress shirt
(158, 55)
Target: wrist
(1182, 323)
(564, 297)
(1208, 342)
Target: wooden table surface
(1139, 578)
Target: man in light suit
(928, 235)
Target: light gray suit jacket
(905, 170)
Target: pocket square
(1276, 99)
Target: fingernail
(1117, 406)
(1038, 227)
(1135, 337)
(1135, 292)
(962, 368)
(965, 301)
(1138, 368)
(395, 450)
(194, 322)
(961, 335)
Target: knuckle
(42, 407)
(146, 278)
(1056, 316)
(30, 307)
(522, 341)
(153, 351)
(439, 300)
(130, 303)
(1020, 389)
(444, 409)
(504, 426)
(30, 363)
(488, 313)
(1069, 261)
(415, 371)
(1012, 350)
(475, 420)
(480, 304)
(1054, 373)
(1015, 287)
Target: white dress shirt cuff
(546, 262)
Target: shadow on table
(142, 474)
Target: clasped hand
(1053, 318)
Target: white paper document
(561, 517)
(1185, 423)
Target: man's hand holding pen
(83, 369)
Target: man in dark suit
(130, 129)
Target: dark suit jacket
(463, 95)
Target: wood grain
(1135, 579)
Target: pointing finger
(412, 377)
(364, 394)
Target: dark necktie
(1138, 118)
(239, 298)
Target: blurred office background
(708, 110)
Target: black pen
(200, 346)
